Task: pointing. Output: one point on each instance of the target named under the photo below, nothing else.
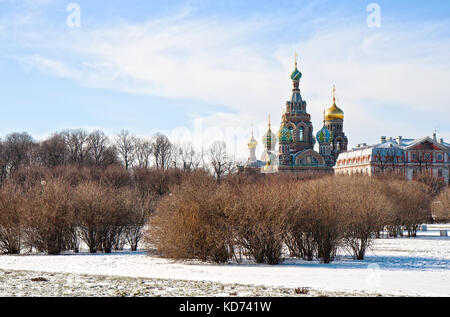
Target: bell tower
(334, 122)
(298, 121)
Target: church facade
(291, 148)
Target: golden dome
(334, 112)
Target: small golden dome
(334, 112)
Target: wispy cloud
(229, 62)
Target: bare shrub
(365, 204)
(411, 203)
(137, 209)
(10, 218)
(321, 199)
(48, 216)
(190, 223)
(301, 291)
(441, 206)
(100, 216)
(157, 182)
(257, 219)
(299, 238)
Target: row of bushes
(56, 210)
(259, 220)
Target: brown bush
(191, 223)
(321, 200)
(299, 237)
(48, 216)
(100, 216)
(441, 206)
(410, 206)
(158, 182)
(10, 218)
(366, 207)
(137, 211)
(257, 219)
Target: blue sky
(205, 70)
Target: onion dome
(296, 74)
(324, 135)
(252, 142)
(334, 112)
(285, 135)
(269, 139)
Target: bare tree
(16, 151)
(162, 151)
(185, 156)
(391, 157)
(143, 152)
(220, 161)
(125, 146)
(100, 148)
(77, 146)
(52, 151)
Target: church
(291, 148)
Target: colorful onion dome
(324, 135)
(285, 135)
(269, 139)
(296, 75)
(334, 112)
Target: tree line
(95, 149)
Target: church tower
(284, 140)
(298, 121)
(252, 149)
(325, 139)
(334, 122)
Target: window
(440, 172)
(301, 137)
(440, 157)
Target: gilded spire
(252, 142)
(334, 94)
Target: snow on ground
(31, 283)
(404, 266)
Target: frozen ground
(403, 266)
(32, 283)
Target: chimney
(441, 140)
(383, 139)
(434, 137)
(399, 140)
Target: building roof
(398, 143)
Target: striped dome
(296, 75)
(324, 135)
(269, 140)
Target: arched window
(301, 134)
